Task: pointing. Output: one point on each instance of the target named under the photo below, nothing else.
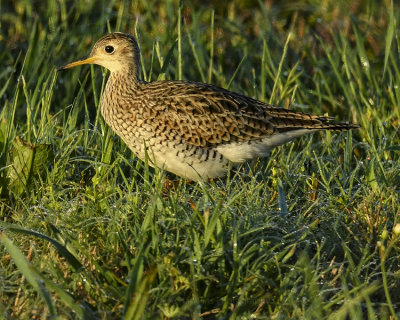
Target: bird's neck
(129, 74)
(120, 93)
(121, 84)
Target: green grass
(311, 232)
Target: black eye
(109, 49)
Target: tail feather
(312, 123)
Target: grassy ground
(311, 232)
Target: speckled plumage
(191, 129)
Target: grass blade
(74, 262)
(29, 273)
(389, 37)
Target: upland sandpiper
(194, 130)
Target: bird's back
(192, 127)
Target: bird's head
(115, 51)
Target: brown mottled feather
(192, 129)
(206, 115)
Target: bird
(195, 130)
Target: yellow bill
(85, 60)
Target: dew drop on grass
(364, 62)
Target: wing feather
(208, 116)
